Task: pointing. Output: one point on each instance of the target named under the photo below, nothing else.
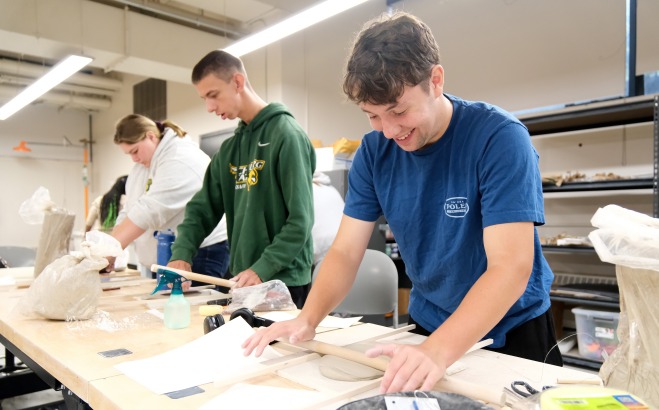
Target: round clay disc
(337, 368)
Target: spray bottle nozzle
(165, 277)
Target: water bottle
(177, 309)
(164, 250)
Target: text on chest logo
(456, 207)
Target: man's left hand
(246, 278)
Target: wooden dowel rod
(197, 276)
(597, 382)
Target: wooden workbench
(69, 352)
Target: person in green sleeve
(260, 178)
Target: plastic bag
(626, 237)
(33, 209)
(69, 288)
(267, 296)
(630, 240)
(101, 238)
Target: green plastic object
(177, 308)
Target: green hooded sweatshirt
(261, 178)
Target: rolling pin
(447, 384)
(197, 276)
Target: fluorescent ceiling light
(60, 72)
(300, 21)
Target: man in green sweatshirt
(260, 178)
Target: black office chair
(16, 256)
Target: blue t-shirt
(483, 171)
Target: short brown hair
(390, 53)
(220, 63)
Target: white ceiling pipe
(35, 70)
(182, 16)
(9, 79)
(88, 103)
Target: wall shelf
(619, 111)
(622, 184)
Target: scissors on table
(524, 389)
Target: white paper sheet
(197, 362)
(247, 396)
(345, 337)
(339, 322)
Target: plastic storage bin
(596, 332)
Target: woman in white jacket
(169, 169)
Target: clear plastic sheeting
(630, 240)
(69, 288)
(111, 323)
(264, 297)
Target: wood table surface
(69, 351)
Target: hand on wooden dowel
(446, 384)
(196, 276)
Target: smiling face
(142, 151)
(417, 119)
(221, 97)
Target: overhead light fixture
(60, 72)
(300, 21)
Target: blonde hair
(133, 128)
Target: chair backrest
(18, 256)
(375, 289)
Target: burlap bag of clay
(630, 240)
(69, 288)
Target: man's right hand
(179, 264)
(295, 330)
(182, 265)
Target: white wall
(21, 174)
(517, 54)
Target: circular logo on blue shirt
(456, 207)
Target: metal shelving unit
(602, 114)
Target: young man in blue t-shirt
(459, 185)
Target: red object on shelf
(22, 147)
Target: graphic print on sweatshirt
(247, 175)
